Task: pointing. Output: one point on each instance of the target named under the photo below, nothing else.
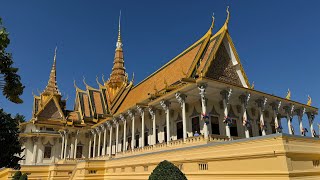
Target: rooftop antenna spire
(119, 42)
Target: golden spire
(119, 42)
(309, 101)
(288, 96)
(118, 74)
(52, 86)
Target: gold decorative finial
(119, 42)
(55, 56)
(252, 85)
(212, 24)
(309, 101)
(288, 96)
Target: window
(79, 152)
(233, 128)
(157, 136)
(203, 166)
(49, 129)
(47, 152)
(215, 125)
(195, 124)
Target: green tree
(24, 177)
(12, 89)
(17, 175)
(9, 137)
(10, 83)
(166, 171)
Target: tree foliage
(10, 151)
(166, 171)
(10, 83)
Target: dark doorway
(146, 134)
(129, 143)
(215, 125)
(79, 152)
(157, 137)
(179, 130)
(165, 134)
(137, 141)
(195, 124)
(233, 128)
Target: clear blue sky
(278, 41)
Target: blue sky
(277, 41)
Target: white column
(289, 112)
(110, 139)
(152, 112)
(124, 145)
(62, 144)
(104, 139)
(165, 105)
(300, 113)
(94, 144)
(71, 146)
(311, 119)
(90, 142)
(244, 99)
(99, 140)
(141, 112)
(65, 145)
(276, 107)
(131, 115)
(75, 145)
(225, 101)
(182, 100)
(262, 104)
(115, 121)
(35, 148)
(204, 115)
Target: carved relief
(222, 68)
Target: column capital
(276, 106)
(300, 112)
(23, 140)
(152, 111)
(115, 121)
(93, 132)
(102, 127)
(109, 124)
(202, 89)
(226, 94)
(140, 110)
(131, 113)
(180, 97)
(122, 118)
(98, 129)
(165, 105)
(244, 99)
(262, 102)
(289, 109)
(35, 139)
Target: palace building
(198, 111)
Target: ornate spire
(52, 86)
(119, 42)
(118, 75)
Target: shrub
(17, 175)
(24, 177)
(167, 171)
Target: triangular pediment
(51, 111)
(225, 65)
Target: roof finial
(119, 42)
(55, 56)
(52, 86)
(288, 96)
(228, 15)
(212, 24)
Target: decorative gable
(51, 111)
(223, 69)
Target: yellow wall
(274, 156)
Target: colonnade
(101, 133)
